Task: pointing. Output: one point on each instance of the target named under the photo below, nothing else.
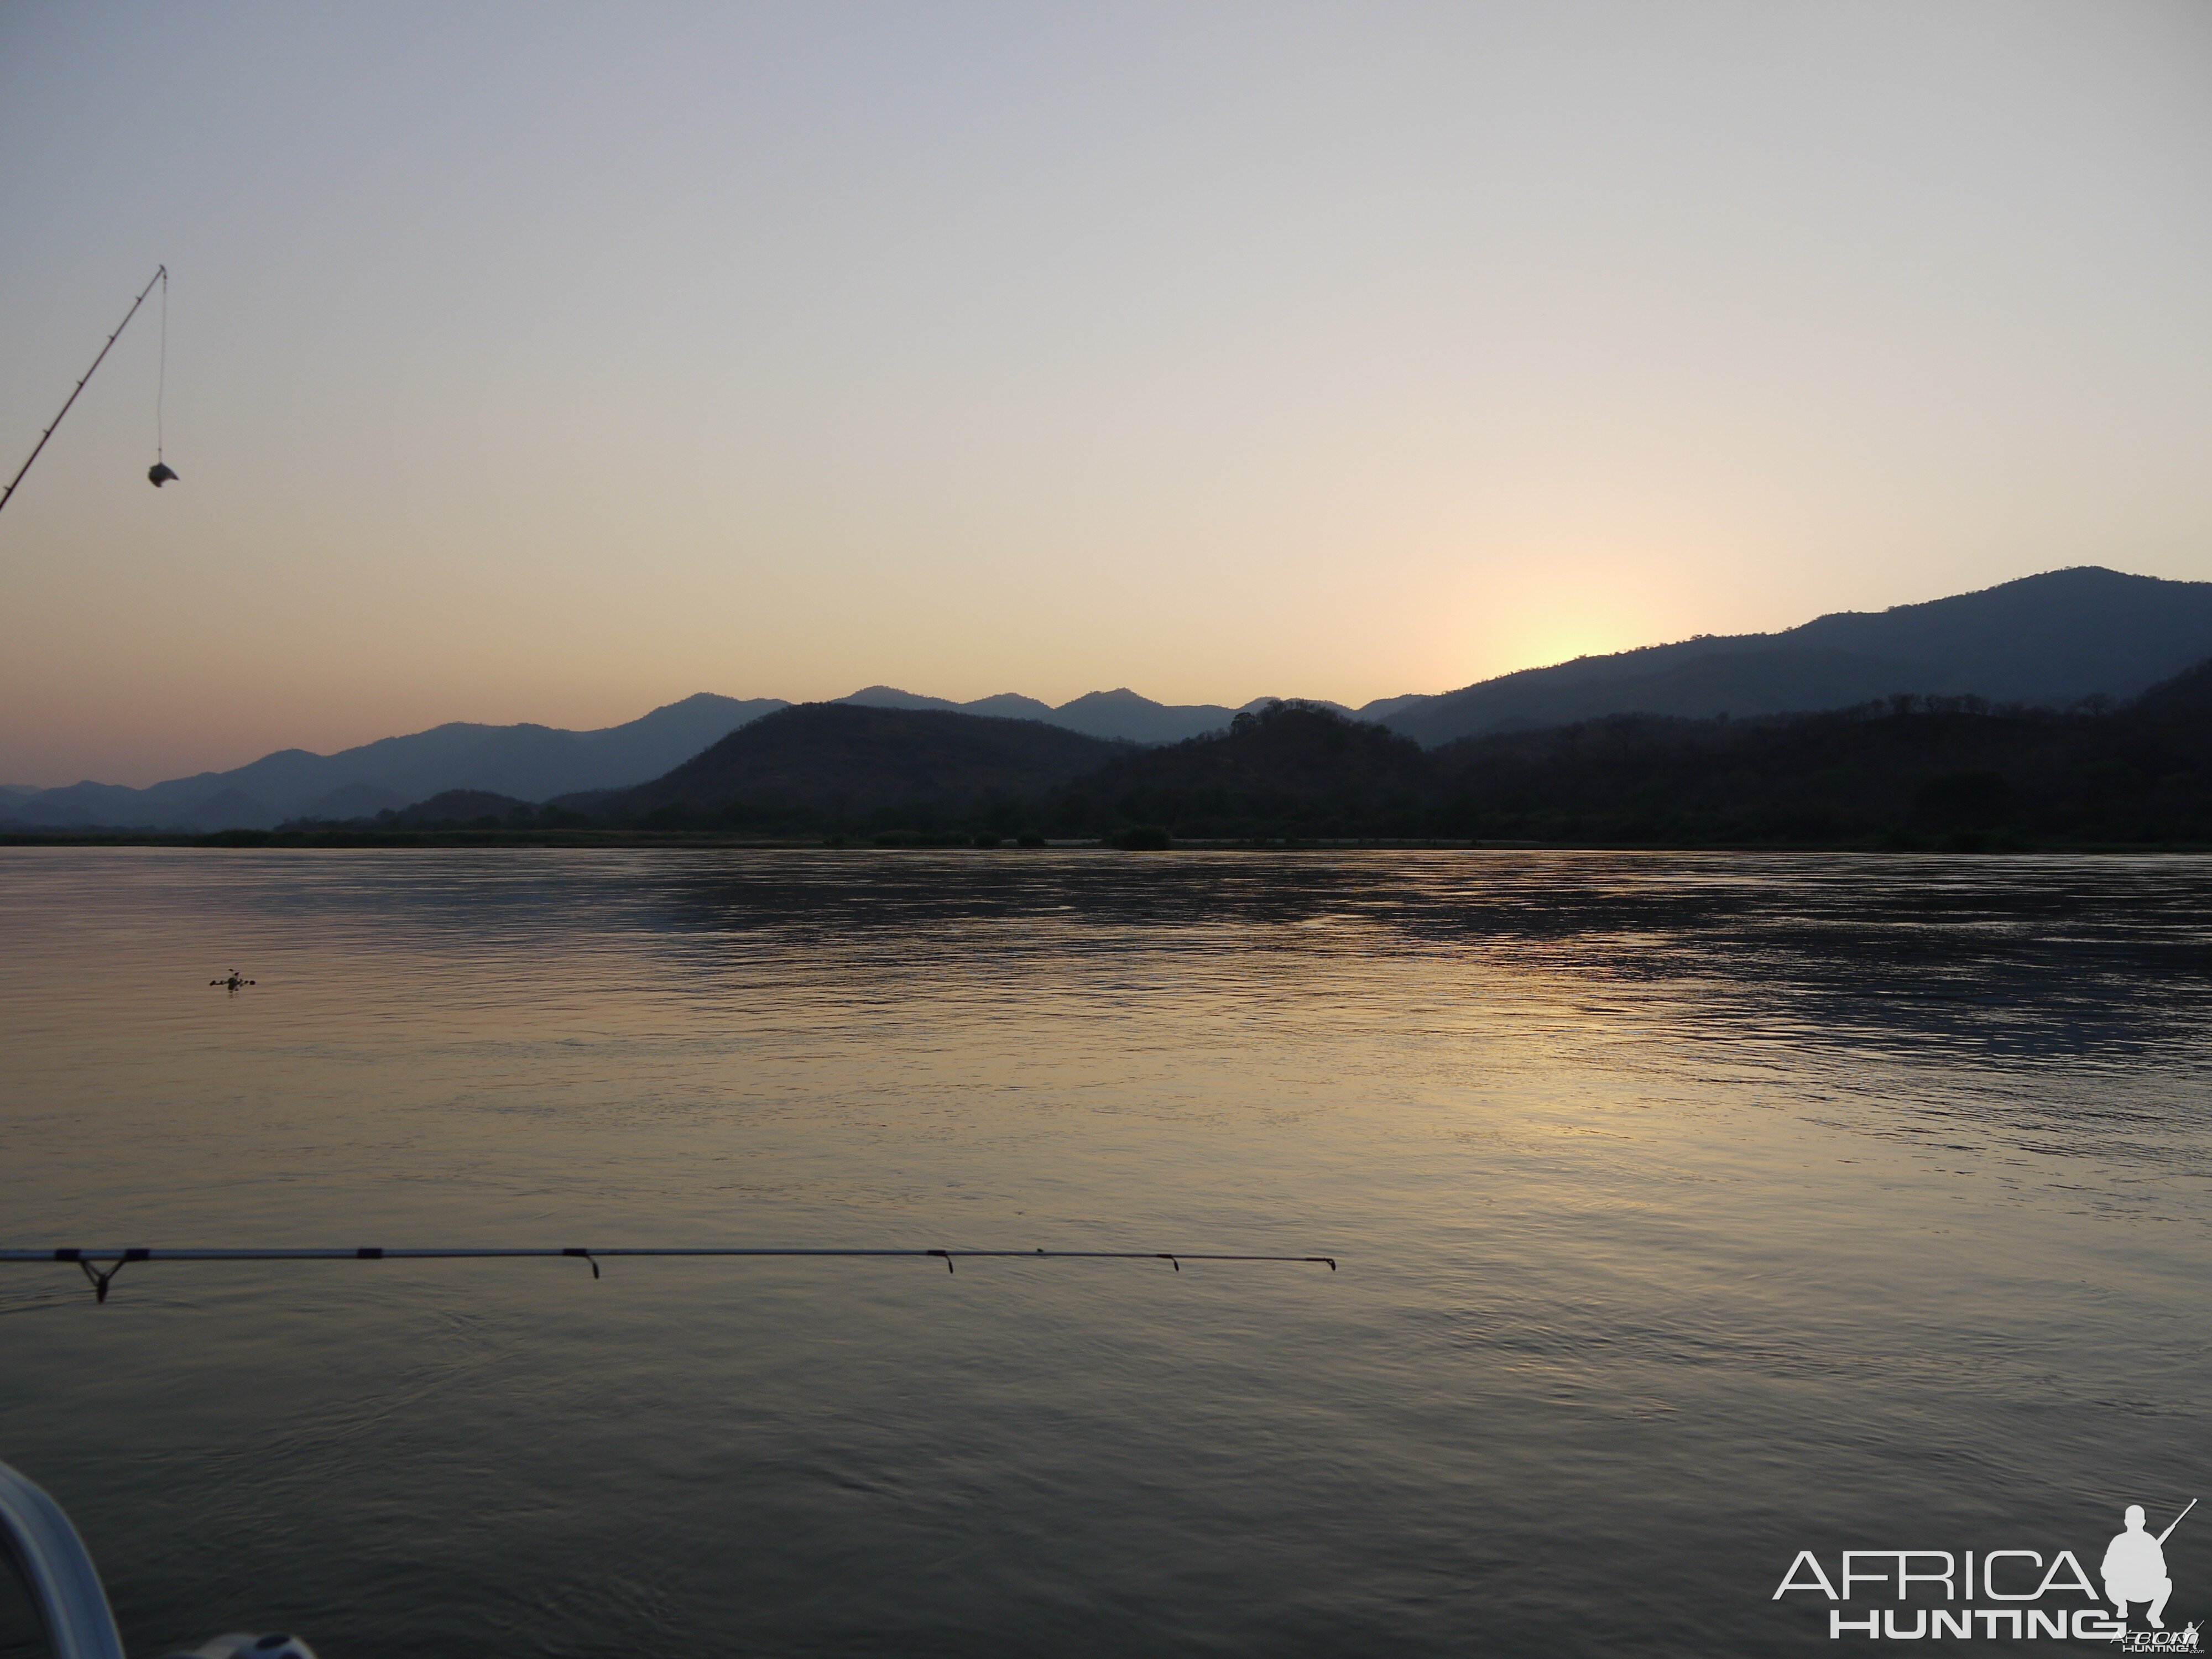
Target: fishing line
(161, 385)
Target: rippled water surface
(1693, 1209)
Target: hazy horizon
(555, 365)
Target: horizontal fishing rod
(160, 275)
(89, 1259)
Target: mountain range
(1903, 771)
(530, 761)
(2049, 640)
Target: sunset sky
(543, 363)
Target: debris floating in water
(86, 1259)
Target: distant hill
(2186, 695)
(460, 807)
(2048, 641)
(1286, 768)
(844, 764)
(532, 762)
(1121, 714)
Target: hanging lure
(159, 474)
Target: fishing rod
(160, 275)
(89, 1259)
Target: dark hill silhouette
(458, 808)
(2187, 691)
(2050, 640)
(1288, 768)
(1120, 714)
(859, 766)
(1924, 771)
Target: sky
(529, 362)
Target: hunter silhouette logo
(2023, 1594)
(2134, 1567)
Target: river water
(1692, 1210)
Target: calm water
(1693, 1210)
